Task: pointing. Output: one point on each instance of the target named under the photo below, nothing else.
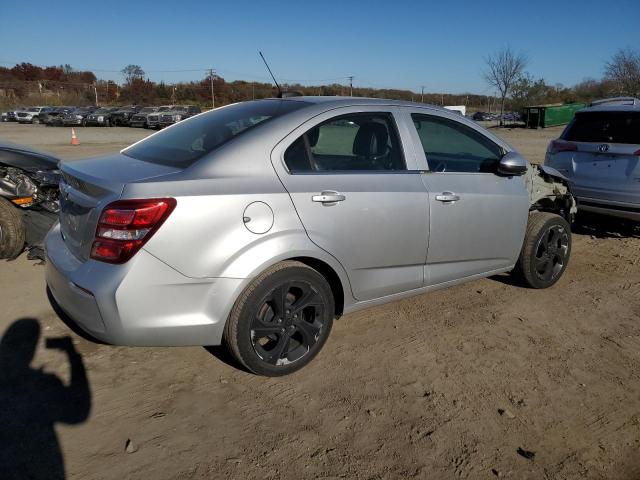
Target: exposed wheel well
(559, 206)
(332, 278)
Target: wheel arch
(332, 278)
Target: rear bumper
(143, 302)
(629, 211)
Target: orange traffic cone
(74, 138)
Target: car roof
(616, 104)
(611, 108)
(340, 101)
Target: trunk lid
(87, 186)
(605, 168)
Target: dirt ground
(462, 383)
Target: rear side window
(354, 142)
(604, 127)
(181, 145)
(451, 146)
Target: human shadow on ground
(33, 401)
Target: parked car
(483, 116)
(598, 152)
(122, 116)
(28, 198)
(11, 115)
(256, 224)
(140, 119)
(511, 117)
(31, 114)
(178, 114)
(153, 119)
(49, 117)
(101, 117)
(77, 117)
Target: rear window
(605, 127)
(183, 144)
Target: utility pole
(213, 97)
(422, 95)
(351, 86)
(95, 90)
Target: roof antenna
(271, 73)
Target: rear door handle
(447, 197)
(328, 196)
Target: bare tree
(503, 69)
(132, 73)
(624, 71)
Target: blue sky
(440, 45)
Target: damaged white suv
(257, 224)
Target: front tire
(12, 234)
(281, 320)
(545, 252)
(35, 120)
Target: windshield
(183, 144)
(101, 110)
(605, 127)
(33, 109)
(147, 110)
(164, 109)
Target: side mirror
(512, 164)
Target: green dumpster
(550, 115)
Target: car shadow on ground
(222, 354)
(33, 401)
(601, 226)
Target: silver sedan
(257, 224)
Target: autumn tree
(131, 73)
(503, 69)
(624, 71)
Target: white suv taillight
(126, 225)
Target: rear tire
(281, 320)
(545, 252)
(12, 234)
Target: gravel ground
(482, 380)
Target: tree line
(511, 86)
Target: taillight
(126, 225)
(557, 146)
(637, 152)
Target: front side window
(451, 146)
(353, 142)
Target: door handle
(328, 197)
(447, 197)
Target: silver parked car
(257, 224)
(599, 152)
